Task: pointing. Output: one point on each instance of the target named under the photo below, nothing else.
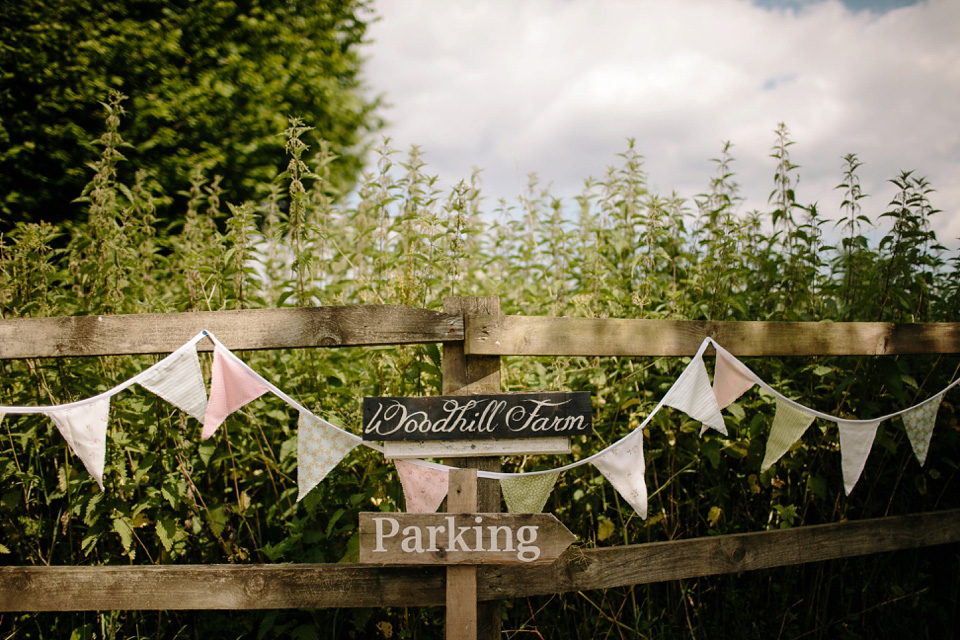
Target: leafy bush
(618, 251)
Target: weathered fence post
(463, 374)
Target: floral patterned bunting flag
(623, 466)
(84, 427)
(320, 448)
(918, 423)
(424, 488)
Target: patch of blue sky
(878, 7)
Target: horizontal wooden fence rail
(346, 326)
(349, 326)
(314, 586)
(549, 336)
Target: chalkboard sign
(510, 415)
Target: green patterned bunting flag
(528, 494)
(789, 423)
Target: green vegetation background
(619, 250)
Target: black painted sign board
(479, 417)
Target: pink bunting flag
(918, 423)
(178, 380)
(85, 429)
(693, 395)
(731, 379)
(424, 488)
(623, 466)
(231, 386)
(320, 447)
(856, 439)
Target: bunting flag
(231, 387)
(731, 379)
(856, 439)
(320, 448)
(919, 425)
(622, 465)
(692, 394)
(84, 427)
(424, 488)
(178, 380)
(789, 423)
(528, 494)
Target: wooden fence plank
(233, 587)
(240, 329)
(309, 586)
(578, 570)
(549, 336)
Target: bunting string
(321, 445)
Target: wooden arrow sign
(462, 538)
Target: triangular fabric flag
(731, 379)
(789, 423)
(528, 494)
(231, 387)
(856, 439)
(320, 448)
(178, 380)
(424, 488)
(85, 429)
(919, 423)
(623, 467)
(693, 395)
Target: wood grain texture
(239, 330)
(461, 602)
(475, 448)
(463, 374)
(233, 587)
(579, 570)
(314, 586)
(549, 336)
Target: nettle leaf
(125, 531)
(166, 532)
(91, 514)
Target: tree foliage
(211, 83)
(619, 250)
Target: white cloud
(556, 87)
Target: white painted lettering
(380, 535)
(526, 550)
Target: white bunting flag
(623, 466)
(231, 387)
(789, 423)
(693, 395)
(528, 494)
(856, 439)
(178, 380)
(918, 423)
(424, 488)
(320, 448)
(731, 379)
(84, 427)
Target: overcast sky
(556, 87)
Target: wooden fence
(474, 336)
